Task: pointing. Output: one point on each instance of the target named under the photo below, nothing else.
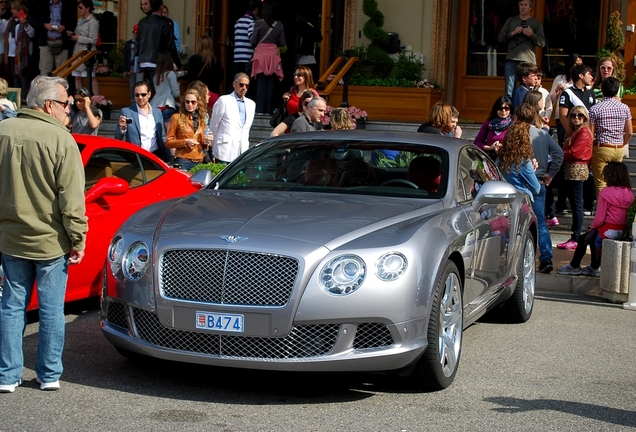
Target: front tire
(518, 308)
(437, 368)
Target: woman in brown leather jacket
(186, 133)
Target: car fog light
(136, 261)
(343, 275)
(391, 266)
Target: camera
(128, 120)
(524, 24)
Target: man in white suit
(232, 118)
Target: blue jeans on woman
(545, 241)
(574, 190)
(51, 276)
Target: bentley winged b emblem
(232, 239)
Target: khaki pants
(600, 157)
(49, 62)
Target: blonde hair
(340, 119)
(579, 109)
(4, 88)
(184, 115)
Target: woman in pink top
(493, 130)
(268, 36)
(610, 220)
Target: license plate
(220, 322)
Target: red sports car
(121, 178)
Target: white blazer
(230, 139)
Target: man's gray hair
(315, 101)
(44, 88)
(240, 75)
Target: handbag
(577, 172)
(279, 115)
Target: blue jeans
(545, 242)
(510, 76)
(574, 190)
(51, 276)
(185, 164)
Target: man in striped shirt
(611, 123)
(243, 28)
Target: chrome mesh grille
(372, 335)
(302, 342)
(116, 314)
(227, 277)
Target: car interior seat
(321, 172)
(96, 169)
(426, 173)
(358, 173)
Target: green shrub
(214, 167)
(408, 67)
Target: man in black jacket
(155, 34)
(52, 20)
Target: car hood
(319, 218)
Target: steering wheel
(400, 181)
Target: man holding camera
(522, 33)
(142, 125)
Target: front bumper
(314, 346)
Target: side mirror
(201, 178)
(106, 186)
(494, 192)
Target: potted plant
(386, 88)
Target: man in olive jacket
(42, 228)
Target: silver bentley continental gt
(326, 251)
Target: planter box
(116, 89)
(630, 101)
(390, 103)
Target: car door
(108, 212)
(491, 235)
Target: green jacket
(42, 211)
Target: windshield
(337, 166)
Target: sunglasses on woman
(577, 116)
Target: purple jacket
(487, 136)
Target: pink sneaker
(570, 245)
(551, 222)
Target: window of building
(569, 26)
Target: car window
(361, 167)
(129, 166)
(475, 169)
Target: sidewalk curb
(553, 282)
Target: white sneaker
(9, 388)
(52, 386)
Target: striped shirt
(243, 29)
(609, 117)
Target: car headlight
(136, 261)
(391, 266)
(343, 275)
(115, 251)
